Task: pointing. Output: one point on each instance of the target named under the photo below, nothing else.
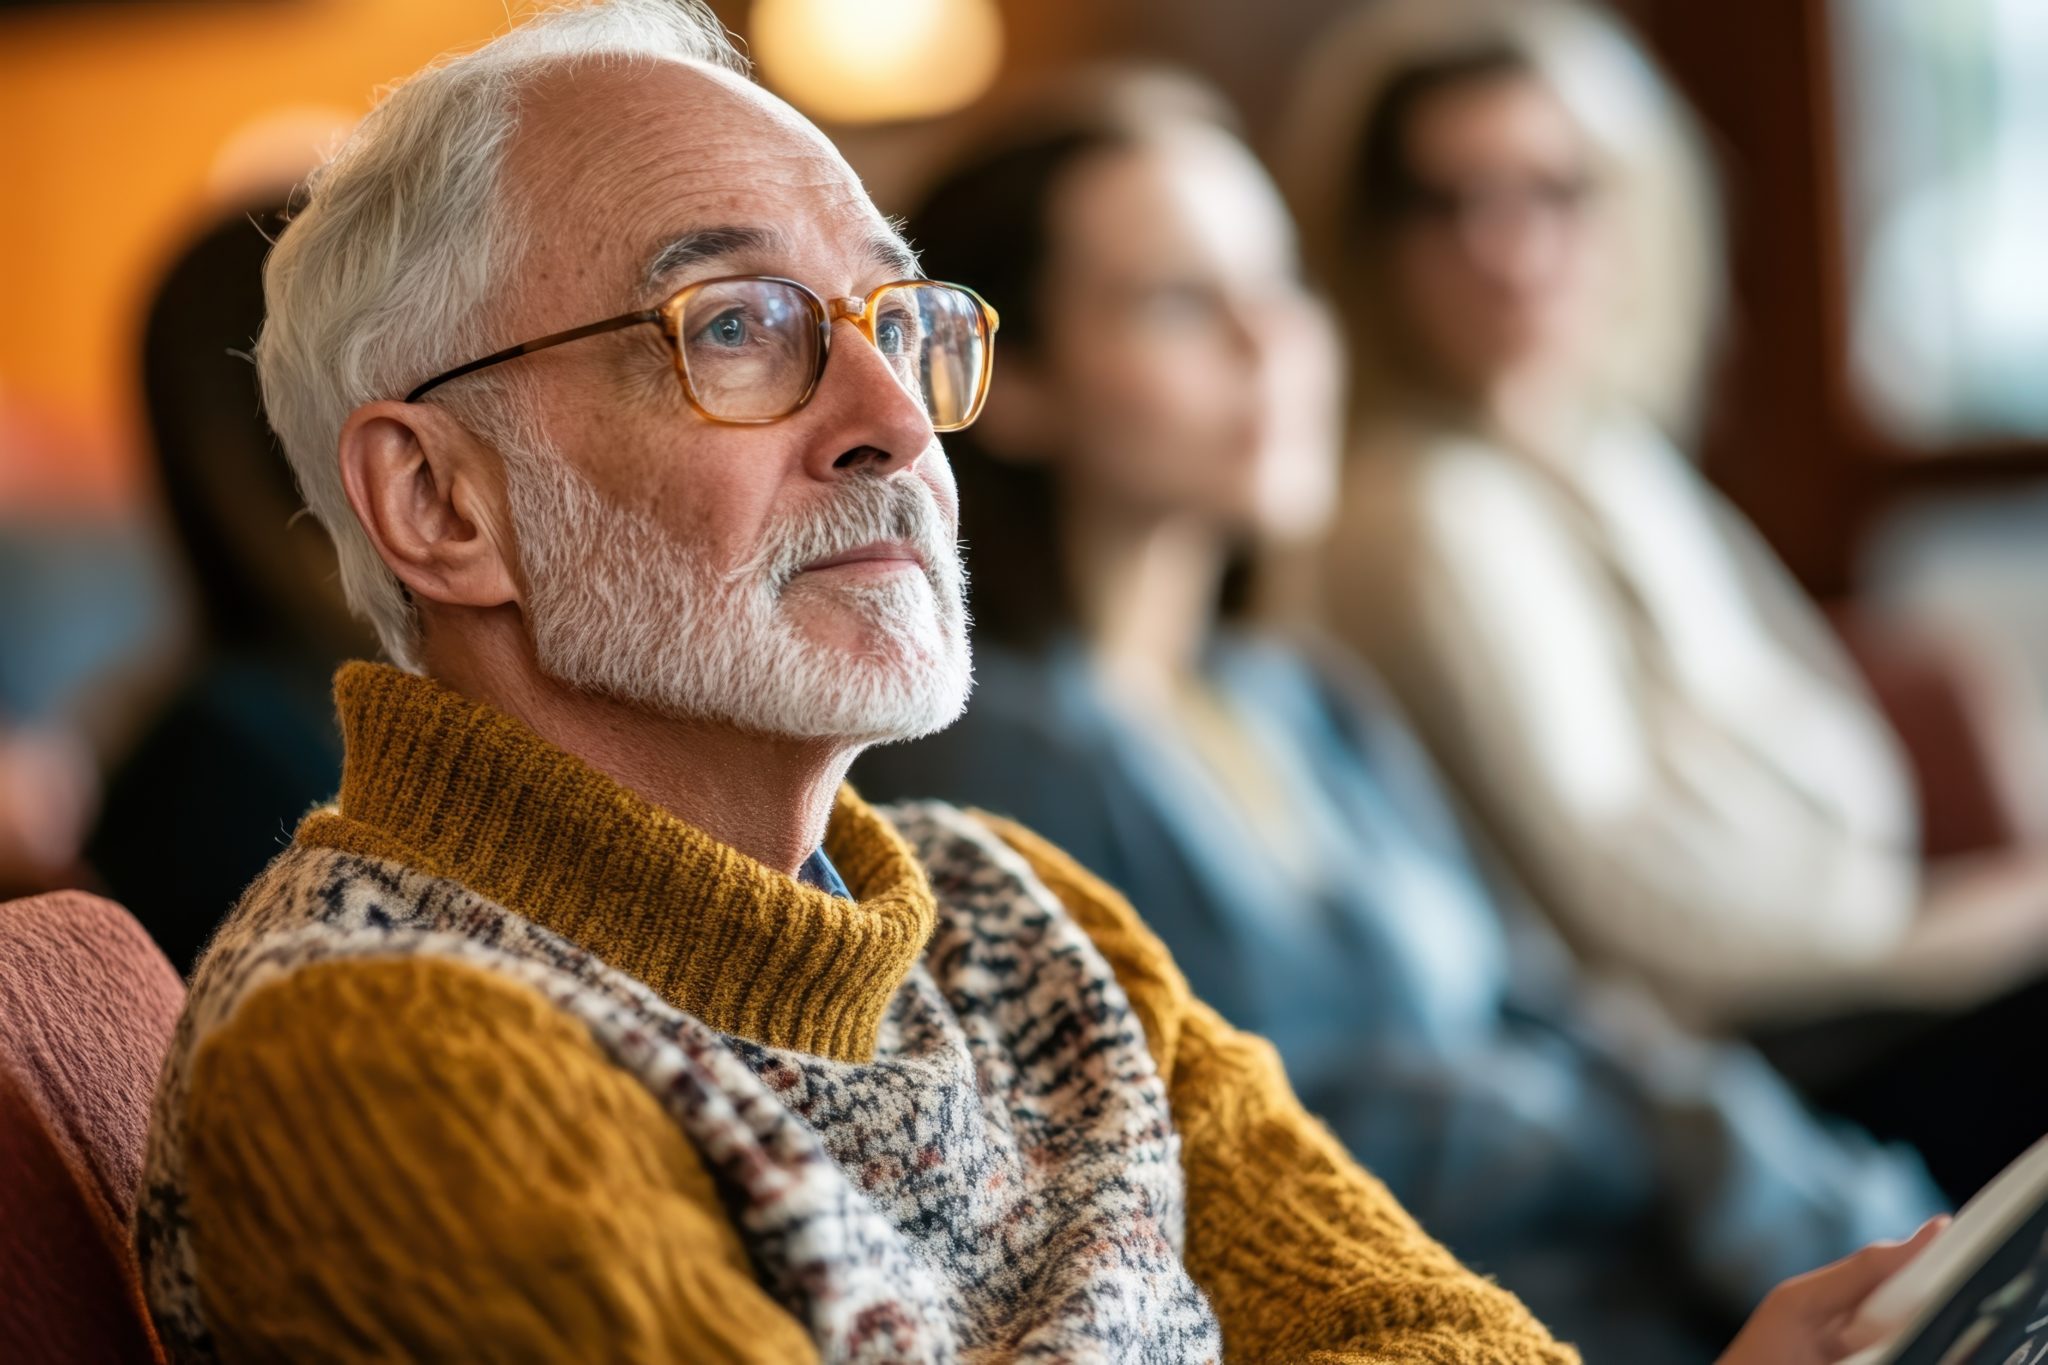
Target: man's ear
(432, 499)
(1017, 422)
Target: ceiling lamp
(871, 61)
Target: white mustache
(867, 510)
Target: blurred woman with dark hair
(1673, 750)
(1167, 411)
(246, 742)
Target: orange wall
(111, 118)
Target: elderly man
(597, 1020)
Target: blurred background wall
(124, 123)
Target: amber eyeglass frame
(825, 313)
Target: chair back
(87, 1004)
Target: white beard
(617, 606)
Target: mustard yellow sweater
(414, 1158)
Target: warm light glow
(867, 61)
(275, 150)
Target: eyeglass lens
(750, 348)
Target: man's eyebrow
(705, 244)
(887, 249)
(884, 248)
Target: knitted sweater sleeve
(413, 1159)
(1304, 1256)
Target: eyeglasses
(1553, 198)
(751, 349)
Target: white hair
(383, 275)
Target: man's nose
(872, 457)
(884, 425)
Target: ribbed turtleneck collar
(455, 788)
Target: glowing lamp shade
(869, 61)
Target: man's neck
(767, 796)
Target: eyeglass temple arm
(541, 344)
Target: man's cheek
(937, 473)
(722, 530)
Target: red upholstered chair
(86, 1008)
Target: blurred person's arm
(1573, 1089)
(1303, 1254)
(1811, 1320)
(1701, 1148)
(1982, 922)
(415, 1160)
(1657, 841)
(1982, 930)
(1959, 701)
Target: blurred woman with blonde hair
(1513, 214)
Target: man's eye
(895, 333)
(727, 329)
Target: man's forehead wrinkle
(670, 187)
(591, 131)
(868, 236)
(637, 175)
(759, 220)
